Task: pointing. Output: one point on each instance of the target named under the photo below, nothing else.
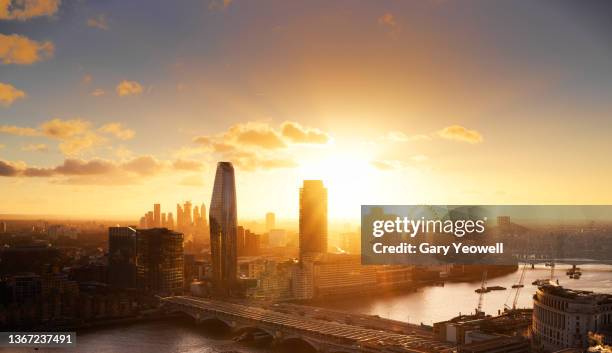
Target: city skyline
(421, 103)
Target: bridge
(325, 336)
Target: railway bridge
(283, 328)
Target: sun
(348, 176)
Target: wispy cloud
(99, 22)
(460, 133)
(128, 88)
(75, 136)
(40, 147)
(216, 5)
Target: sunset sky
(109, 106)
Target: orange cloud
(460, 133)
(299, 134)
(20, 50)
(18, 131)
(189, 165)
(128, 88)
(26, 9)
(258, 135)
(387, 20)
(41, 147)
(118, 131)
(99, 22)
(75, 135)
(9, 94)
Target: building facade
(122, 257)
(159, 261)
(313, 217)
(223, 223)
(563, 318)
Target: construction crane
(481, 292)
(518, 288)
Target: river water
(427, 305)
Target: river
(427, 305)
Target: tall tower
(270, 221)
(187, 214)
(313, 217)
(223, 219)
(157, 215)
(179, 216)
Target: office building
(313, 217)
(270, 221)
(170, 221)
(563, 318)
(2, 227)
(157, 215)
(160, 261)
(223, 223)
(122, 254)
(187, 221)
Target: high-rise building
(270, 221)
(197, 221)
(160, 261)
(150, 219)
(122, 256)
(179, 216)
(313, 217)
(223, 222)
(203, 215)
(164, 220)
(170, 221)
(2, 227)
(187, 214)
(156, 215)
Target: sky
(107, 107)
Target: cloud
(100, 22)
(189, 165)
(8, 169)
(75, 135)
(9, 94)
(20, 50)
(298, 134)
(80, 167)
(460, 133)
(41, 147)
(216, 5)
(23, 10)
(258, 135)
(97, 92)
(419, 158)
(387, 20)
(128, 88)
(18, 131)
(143, 165)
(255, 145)
(117, 130)
(63, 129)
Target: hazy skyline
(109, 107)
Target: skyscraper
(159, 262)
(223, 218)
(313, 217)
(157, 215)
(270, 221)
(170, 221)
(122, 256)
(179, 216)
(187, 214)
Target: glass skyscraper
(223, 222)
